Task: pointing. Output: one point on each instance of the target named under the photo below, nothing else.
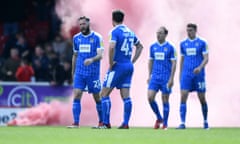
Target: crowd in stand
(31, 46)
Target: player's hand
(88, 61)
(197, 70)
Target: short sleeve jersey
(162, 55)
(193, 51)
(86, 46)
(124, 39)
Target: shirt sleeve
(100, 43)
(205, 48)
(182, 49)
(112, 36)
(173, 54)
(75, 47)
(151, 53)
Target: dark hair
(165, 30)
(118, 16)
(191, 25)
(84, 17)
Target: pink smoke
(218, 23)
(57, 113)
(44, 114)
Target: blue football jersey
(162, 54)
(86, 46)
(193, 51)
(124, 39)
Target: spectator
(24, 72)
(10, 65)
(61, 73)
(59, 46)
(67, 72)
(57, 72)
(8, 45)
(40, 64)
(21, 44)
(68, 52)
(18, 41)
(49, 51)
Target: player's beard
(85, 31)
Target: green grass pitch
(135, 135)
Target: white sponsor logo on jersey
(191, 51)
(84, 48)
(159, 55)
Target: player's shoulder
(77, 35)
(170, 44)
(154, 44)
(97, 34)
(120, 28)
(127, 29)
(201, 39)
(114, 29)
(183, 40)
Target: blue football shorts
(193, 83)
(92, 84)
(120, 76)
(156, 85)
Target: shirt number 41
(127, 46)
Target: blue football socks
(155, 109)
(76, 109)
(99, 111)
(183, 109)
(127, 110)
(106, 106)
(165, 113)
(205, 111)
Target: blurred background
(36, 38)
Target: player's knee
(105, 92)
(150, 98)
(184, 95)
(77, 94)
(165, 100)
(203, 101)
(97, 97)
(183, 99)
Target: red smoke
(218, 23)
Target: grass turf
(135, 135)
